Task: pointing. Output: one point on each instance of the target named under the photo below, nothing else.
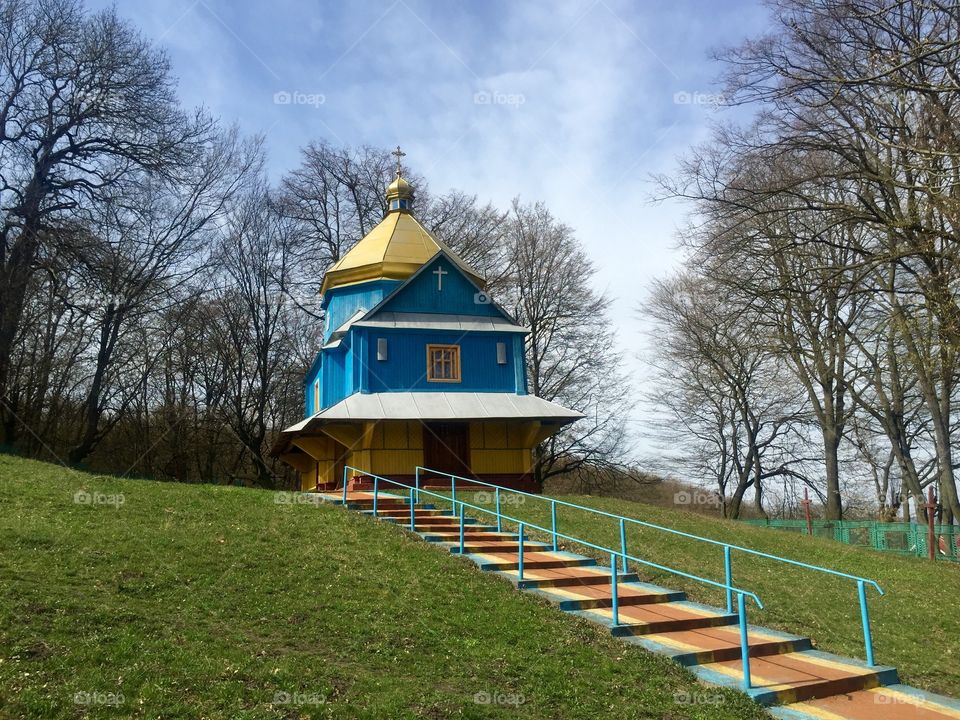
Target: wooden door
(446, 447)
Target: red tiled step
(796, 676)
(532, 561)
(452, 533)
(600, 596)
(662, 617)
(402, 512)
(884, 703)
(497, 546)
(568, 577)
(708, 645)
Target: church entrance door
(446, 447)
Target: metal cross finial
(398, 153)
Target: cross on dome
(398, 153)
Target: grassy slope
(916, 625)
(200, 601)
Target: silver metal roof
(435, 321)
(440, 406)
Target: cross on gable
(440, 272)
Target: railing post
(416, 481)
(623, 544)
(412, 522)
(453, 495)
(553, 523)
(865, 620)
(520, 553)
(744, 640)
(613, 589)
(376, 482)
(345, 484)
(499, 519)
(462, 544)
(728, 573)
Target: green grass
(205, 602)
(916, 625)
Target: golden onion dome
(395, 249)
(399, 189)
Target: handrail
(653, 526)
(727, 547)
(414, 497)
(602, 548)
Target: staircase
(784, 672)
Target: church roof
(440, 406)
(439, 321)
(395, 249)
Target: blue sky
(572, 103)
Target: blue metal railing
(861, 582)
(458, 512)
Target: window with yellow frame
(443, 363)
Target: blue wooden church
(418, 366)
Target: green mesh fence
(901, 538)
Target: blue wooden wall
(406, 366)
(458, 296)
(341, 303)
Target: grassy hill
(147, 599)
(916, 626)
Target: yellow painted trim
(816, 712)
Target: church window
(381, 349)
(501, 353)
(316, 396)
(443, 363)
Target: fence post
(623, 544)
(728, 572)
(744, 640)
(613, 590)
(865, 620)
(461, 529)
(412, 522)
(553, 523)
(931, 507)
(520, 553)
(499, 519)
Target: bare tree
(84, 99)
